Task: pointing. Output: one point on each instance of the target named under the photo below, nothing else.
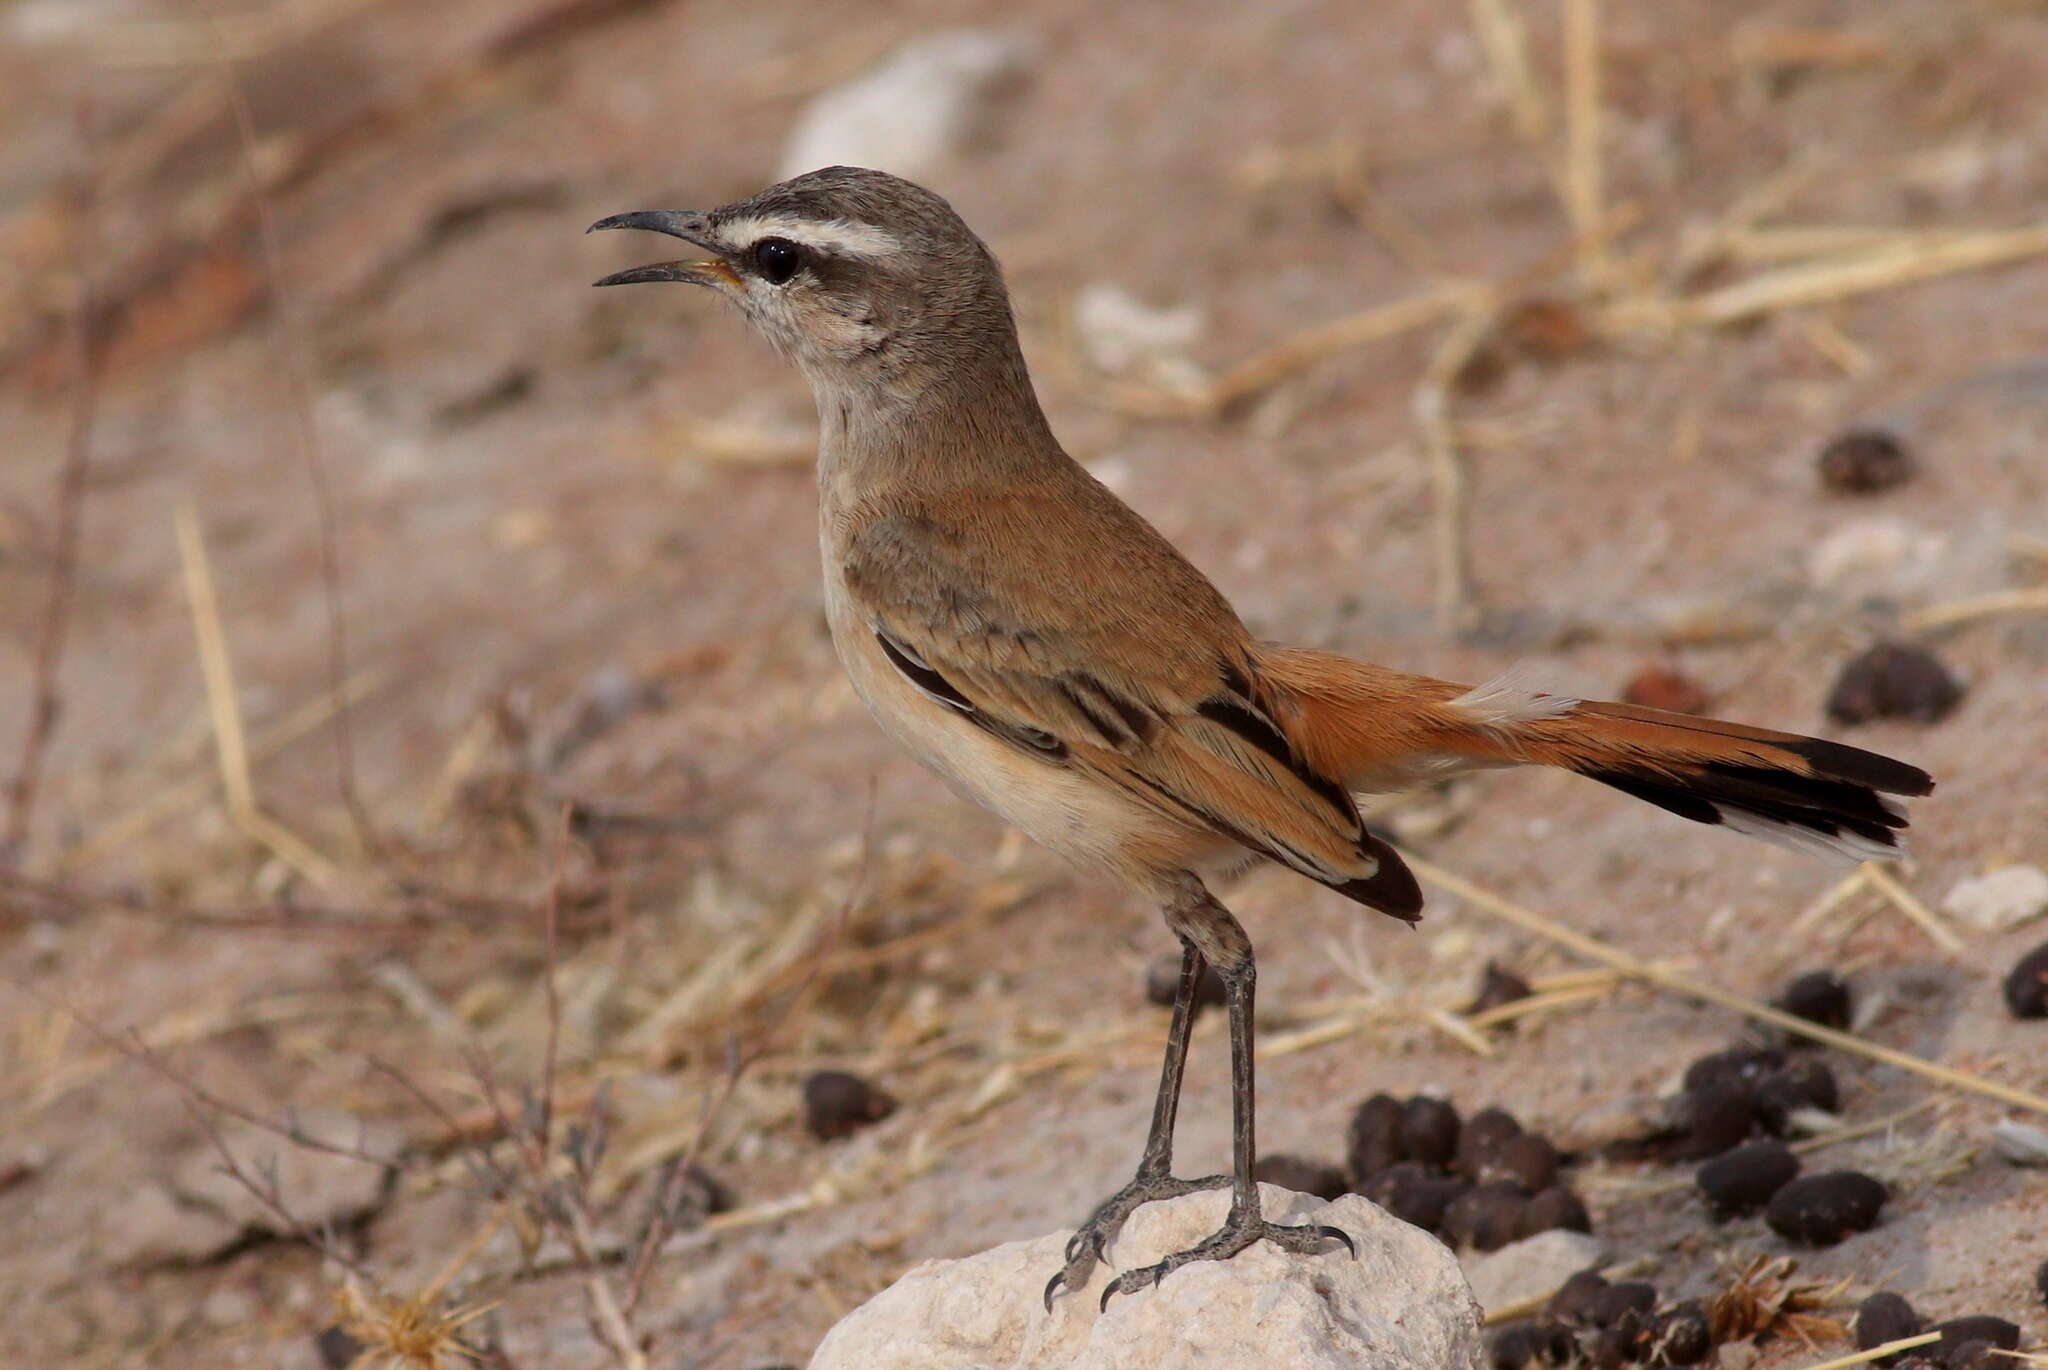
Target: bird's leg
(1210, 927)
(1154, 1179)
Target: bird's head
(868, 283)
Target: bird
(1032, 639)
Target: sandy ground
(538, 491)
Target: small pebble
(1682, 1335)
(1659, 687)
(1573, 1301)
(1803, 1084)
(1999, 899)
(1885, 1317)
(1527, 1159)
(1743, 1180)
(1373, 1141)
(1864, 461)
(1893, 680)
(1959, 1332)
(1555, 1207)
(1162, 983)
(1479, 1141)
(2019, 1143)
(1486, 1217)
(1819, 996)
(1497, 987)
(1300, 1174)
(838, 1104)
(1429, 1130)
(1820, 1210)
(338, 1349)
(2026, 989)
(1409, 1191)
(1737, 1065)
(1712, 1118)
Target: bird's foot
(1239, 1231)
(1085, 1247)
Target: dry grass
(643, 983)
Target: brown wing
(1091, 643)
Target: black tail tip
(1392, 889)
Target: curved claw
(1337, 1234)
(1052, 1287)
(1117, 1285)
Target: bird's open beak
(677, 223)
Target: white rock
(1532, 1267)
(1122, 335)
(1402, 1305)
(319, 1187)
(1999, 899)
(2020, 1143)
(149, 1226)
(925, 102)
(1875, 553)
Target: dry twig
(1595, 950)
(293, 353)
(56, 616)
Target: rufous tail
(1379, 730)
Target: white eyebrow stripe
(844, 235)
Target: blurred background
(421, 733)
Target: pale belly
(1081, 818)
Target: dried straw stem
(1595, 950)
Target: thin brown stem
(45, 703)
(293, 353)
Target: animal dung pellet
(1801, 1085)
(338, 1348)
(1958, 1333)
(1883, 1318)
(1573, 1301)
(1893, 680)
(1429, 1130)
(1530, 1342)
(1745, 1179)
(1820, 1210)
(1480, 1139)
(1555, 1207)
(1611, 1348)
(1496, 987)
(1682, 1335)
(1621, 1300)
(1300, 1174)
(1373, 1142)
(1527, 1159)
(1162, 984)
(2026, 988)
(1660, 687)
(838, 1103)
(1743, 1065)
(1819, 996)
(1415, 1195)
(1711, 1118)
(1486, 1217)
(1864, 461)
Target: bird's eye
(777, 259)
